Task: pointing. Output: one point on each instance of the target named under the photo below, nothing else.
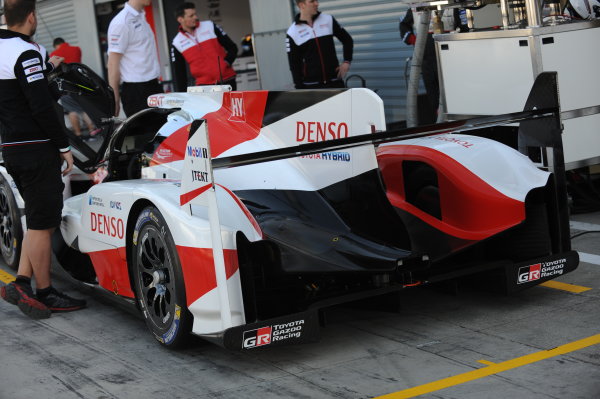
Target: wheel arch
(134, 212)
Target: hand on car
(55, 60)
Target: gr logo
(529, 273)
(259, 337)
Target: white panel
(491, 76)
(573, 54)
(581, 138)
(487, 76)
(270, 15)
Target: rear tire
(11, 230)
(158, 280)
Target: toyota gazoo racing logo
(541, 270)
(270, 334)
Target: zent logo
(238, 114)
(259, 337)
(529, 273)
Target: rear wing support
(545, 134)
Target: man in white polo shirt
(132, 58)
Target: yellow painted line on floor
(493, 369)
(486, 362)
(6, 277)
(557, 285)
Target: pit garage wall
(379, 54)
(74, 21)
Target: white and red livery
(237, 216)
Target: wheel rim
(7, 234)
(155, 277)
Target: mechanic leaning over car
(132, 58)
(311, 50)
(205, 47)
(34, 148)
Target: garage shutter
(379, 54)
(56, 18)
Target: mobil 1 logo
(277, 333)
(541, 270)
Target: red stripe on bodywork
(224, 128)
(199, 270)
(245, 210)
(187, 197)
(197, 265)
(111, 270)
(471, 208)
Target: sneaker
(95, 132)
(23, 297)
(9, 293)
(59, 302)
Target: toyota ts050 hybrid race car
(238, 216)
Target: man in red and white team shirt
(205, 47)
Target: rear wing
(540, 115)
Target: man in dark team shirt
(34, 148)
(311, 49)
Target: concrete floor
(105, 352)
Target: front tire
(158, 280)
(11, 230)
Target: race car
(239, 216)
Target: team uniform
(68, 52)
(209, 52)
(32, 135)
(130, 34)
(311, 51)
